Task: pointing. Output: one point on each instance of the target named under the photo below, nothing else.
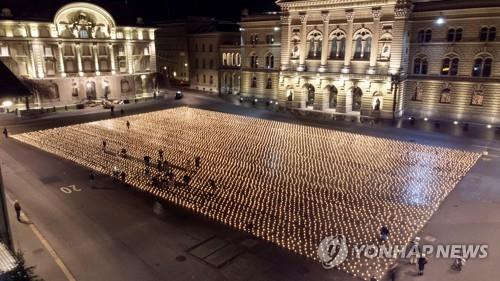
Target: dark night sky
(150, 10)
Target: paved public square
(289, 184)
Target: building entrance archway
(310, 94)
(357, 95)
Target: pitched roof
(10, 85)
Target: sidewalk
(35, 253)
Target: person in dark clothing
(128, 124)
(5, 132)
(112, 111)
(147, 160)
(197, 162)
(104, 144)
(373, 278)
(122, 112)
(384, 233)
(159, 165)
(17, 207)
(124, 153)
(160, 153)
(186, 179)
(92, 179)
(123, 176)
(422, 261)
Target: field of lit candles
(286, 183)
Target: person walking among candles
(128, 125)
(5, 132)
(384, 233)
(122, 112)
(104, 144)
(160, 153)
(422, 261)
(123, 176)
(17, 207)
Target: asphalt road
(111, 233)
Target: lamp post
(395, 80)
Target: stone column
(79, 59)
(286, 31)
(324, 47)
(112, 58)
(130, 60)
(61, 59)
(96, 59)
(32, 60)
(152, 57)
(399, 41)
(348, 41)
(377, 13)
(303, 43)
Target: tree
(22, 272)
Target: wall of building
(83, 45)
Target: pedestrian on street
(17, 207)
(112, 111)
(5, 132)
(422, 261)
(122, 112)
(415, 251)
(92, 179)
(128, 125)
(384, 233)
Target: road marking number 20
(70, 189)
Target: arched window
(450, 66)
(483, 35)
(238, 59)
(269, 61)
(421, 36)
(211, 64)
(315, 39)
(224, 59)
(420, 65)
(338, 45)
(428, 36)
(362, 45)
(455, 35)
(451, 35)
(83, 33)
(458, 35)
(254, 82)
(492, 35)
(254, 61)
(269, 84)
(482, 67)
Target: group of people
(294, 184)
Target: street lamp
(395, 80)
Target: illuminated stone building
(81, 54)
(425, 59)
(261, 39)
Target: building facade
(82, 54)
(261, 47)
(377, 58)
(230, 69)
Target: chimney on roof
(139, 20)
(6, 13)
(244, 13)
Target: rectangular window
(48, 51)
(4, 51)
